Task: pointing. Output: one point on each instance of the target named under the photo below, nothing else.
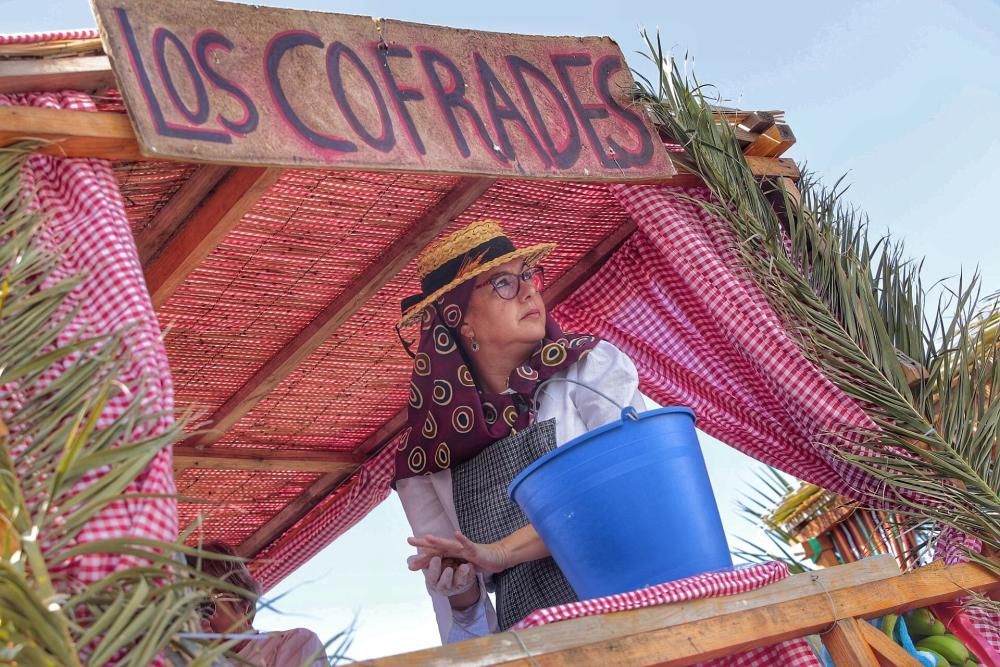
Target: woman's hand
(489, 558)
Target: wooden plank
(255, 458)
(772, 142)
(650, 636)
(169, 219)
(322, 487)
(756, 121)
(72, 133)
(215, 216)
(887, 652)
(396, 96)
(389, 263)
(87, 73)
(769, 166)
(847, 645)
(110, 136)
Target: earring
(474, 345)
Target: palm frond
(50, 441)
(859, 312)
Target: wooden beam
(672, 634)
(586, 266)
(886, 651)
(847, 646)
(110, 136)
(290, 514)
(97, 134)
(770, 166)
(240, 458)
(323, 486)
(205, 228)
(29, 75)
(384, 269)
(772, 142)
(169, 219)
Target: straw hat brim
(530, 255)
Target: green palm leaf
(858, 311)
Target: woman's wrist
(465, 599)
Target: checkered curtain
(701, 334)
(87, 225)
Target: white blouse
(428, 501)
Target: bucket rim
(584, 437)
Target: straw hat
(450, 261)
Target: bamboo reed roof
(277, 290)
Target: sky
(900, 98)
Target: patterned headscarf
(450, 419)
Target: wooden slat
(110, 136)
(391, 262)
(670, 634)
(239, 458)
(169, 219)
(322, 487)
(772, 142)
(847, 645)
(886, 651)
(73, 133)
(770, 166)
(88, 73)
(205, 228)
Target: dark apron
(486, 514)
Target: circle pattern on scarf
(422, 364)
(442, 392)
(527, 372)
(510, 415)
(465, 376)
(443, 342)
(463, 418)
(553, 354)
(452, 315)
(426, 318)
(417, 460)
(442, 456)
(489, 413)
(430, 429)
(581, 341)
(416, 399)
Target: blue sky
(902, 97)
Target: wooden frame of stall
(214, 199)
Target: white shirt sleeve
(576, 408)
(430, 508)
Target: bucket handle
(627, 411)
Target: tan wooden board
(211, 81)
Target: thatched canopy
(277, 290)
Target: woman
(486, 344)
(232, 613)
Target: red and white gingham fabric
(88, 227)
(56, 36)
(366, 488)
(795, 653)
(703, 335)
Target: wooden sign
(220, 82)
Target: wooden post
(847, 646)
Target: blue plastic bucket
(626, 505)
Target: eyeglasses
(508, 285)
